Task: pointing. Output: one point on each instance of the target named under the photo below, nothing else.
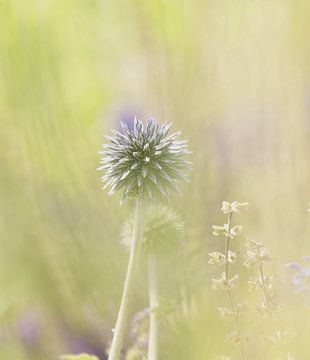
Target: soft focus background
(234, 76)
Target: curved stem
(122, 318)
(153, 298)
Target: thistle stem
(135, 250)
(153, 298)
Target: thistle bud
(163, 231)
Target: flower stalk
(226, 282)
(257, 255)
(263, 282)
(227, 245)
(229, 292)
(162, 237)
(145, 162)
(122, 318)
(153, 300)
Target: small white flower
(226, 231)
(280, 337)
(257, 256)
(240, 309)
(218, 258)
(263, 309)
(252, 244)
(254, 283)
(234, 207)
(226, 207)
(232, 257)
(251, 258)
(235, 230)
(224, 284)
(225, 313)
(220, 230)
(238, 339)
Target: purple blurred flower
(127, 116)
(301, 278)
(139, 324)
(28, 329)
(78, 341)
(78, 344)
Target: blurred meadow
(234, 76)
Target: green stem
(229, 293)
(227, 246)
(122, 318)
(262, 280)
(265, 292)
(153, 298)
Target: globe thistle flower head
(144, 161)
(163, 231)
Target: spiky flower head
(163, 231)
(144, 161)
